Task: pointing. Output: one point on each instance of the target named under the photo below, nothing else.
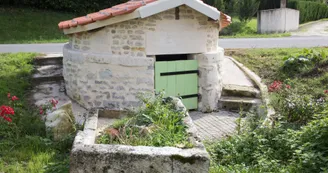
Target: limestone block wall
(109, 66)
(210, 79)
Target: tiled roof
(117, 10)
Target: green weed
(157, 123)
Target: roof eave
(102, 23)
(149, 10)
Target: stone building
(145, 46)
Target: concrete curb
(263, 88)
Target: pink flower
(275, 86)
(54, 102)
(288, 86)
(326, 91)
(8, 95)
(14, 98)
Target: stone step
(43, 92)
(240, 91)
(235, 104)
(48, 71)
(49, 59)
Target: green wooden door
(178, 78)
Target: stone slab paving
(233, 75)
(215, 125)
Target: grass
(24, 146)
(267, 64)
(26, 25)
(246, 30)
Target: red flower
(5, 111)
(326, 91)
(288, 86)
(275, 86)
(41, 111)
(14, 98)
(8, 95)
(54, 102)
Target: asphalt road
(233, 43)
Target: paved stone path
(316, 28)
(233, 75)
(215, 125)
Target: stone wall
(108, 66)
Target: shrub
(272, 4)
(294, 107)
(309, 11)
(274, 150)
(297, 109)
(219, 4)
(303, 62)
(247, 9)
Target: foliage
(272, 4)
(295, 108)
(75, 6)
(238, 29)
(303, 62)
(247, 9)
(274, 150)
(309, 11)
(297, 141)
(219, 4)
(155, 124)
(26, 25)
(23, 143)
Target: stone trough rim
(85, 146)
(91, 124)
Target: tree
(247, 9)
(283, 3)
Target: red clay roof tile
(98, 16)
(83, 20)
(117, 10)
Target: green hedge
(309, 11)
(75, 6)
(271, 4)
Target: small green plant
(156, 123)
(303, 62)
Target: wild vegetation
(24, 146)
(296, 140)
(157, 123)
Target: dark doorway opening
(174, 57)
